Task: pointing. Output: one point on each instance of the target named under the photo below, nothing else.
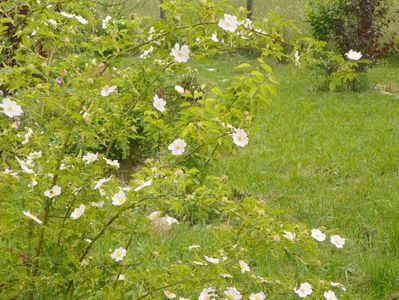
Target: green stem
(120, 267)
(39, 244)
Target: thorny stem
(39, 244)
(210, 156)
(203, 144)
(120, 268)
(278, 39)
(38, 248)
(63, 222)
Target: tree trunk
(250, 8)
(162, 12)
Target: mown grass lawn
(332, 159)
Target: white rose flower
(168, 221)
(100, 183)
(244, 266)
(78, 212)
(232, 294)
(107, 90)
(53, 192)
(240, 138)
(177, 147)
(318, 235)
(119, 198)
(118, 254)
(337, 241)
(289, 235)
(228, 23)
(24, 166)
(97, 204)
(113, 163)
(52, 22)
(27, 136)
(146, 53)
(192, 247)
(330, 295)
(143, 185)
(207, 294)
(181, 55)
(215, 37)
(169, 294)
(121, 277)
(257, 296)
(338, 285)
(179, 89)
(304, 290)
(353, 55)
(33, 217)
(34, 155)
(10, 108)
(67, 15)
(105, 22)
(212, 260)
(247, 23)
(33, 183)
(81, 20)
(165, 222)
(159, 103)
(90, 157)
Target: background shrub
(352, 24)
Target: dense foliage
(332, 70)
(106, 138)
(353, 24)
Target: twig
(120, 267)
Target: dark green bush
(353, 24)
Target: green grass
(331, 159)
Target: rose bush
(334, 71)
(104, 155)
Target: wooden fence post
(162, 12)
(250, 8)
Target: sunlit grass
(331, 159)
